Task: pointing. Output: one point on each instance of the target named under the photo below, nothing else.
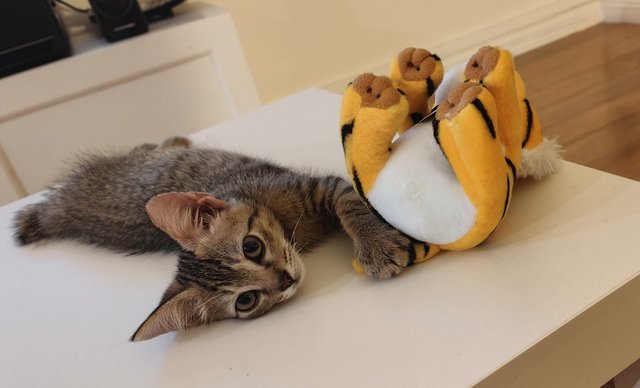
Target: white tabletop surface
(549, 300)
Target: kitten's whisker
(293, 233)
(301, 248)
(203, 309)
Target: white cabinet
(187, 73)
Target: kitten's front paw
(384, 253)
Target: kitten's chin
(288, 293)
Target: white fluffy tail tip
(541, 161)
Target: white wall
(294, 44)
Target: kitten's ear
(184, 216)
(177, 311)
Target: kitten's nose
(285, 280)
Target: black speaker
(119, 19)
(31, 34)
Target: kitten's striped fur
(101, 201)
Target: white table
(550, 300)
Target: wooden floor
(586, 88)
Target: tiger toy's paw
(376, 91)
(418, 73)
(416, 64)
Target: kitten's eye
(252, 248)
(247, 301)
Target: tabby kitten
(239, 225)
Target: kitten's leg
(91, 220)
(170, 143)
(28, 226)
(144, 148)
(312, 208)
(176, 142)
(98, 202)
(381, 250)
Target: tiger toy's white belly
(417, 191)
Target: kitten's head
(237, 263)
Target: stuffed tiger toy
(447, 180)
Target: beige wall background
(291, 45)
(294, 44)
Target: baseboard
(530, 28)
(621, 11)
